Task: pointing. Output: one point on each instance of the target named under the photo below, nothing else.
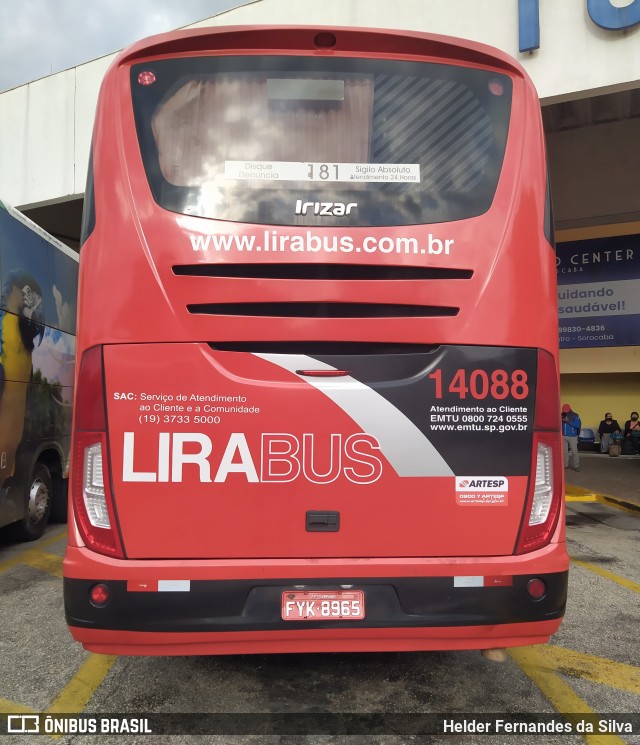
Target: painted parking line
(77, 693)
(622, 581)
(24, 557)
(49, 563)
(577, 494)
(619, 675)
(9, 707)
(620, 504)
(542, 668)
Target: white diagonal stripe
(402, 443)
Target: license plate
(317, 605)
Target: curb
(620, 503)
(578, 494)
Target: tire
(39, 499)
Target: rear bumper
(314, 640)
(235, 607)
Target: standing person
(571, 426)
(607, 427)
(632, 430)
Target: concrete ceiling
(62, 220)
(585, 112)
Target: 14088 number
(480, 384)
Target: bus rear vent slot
(314, 348)
(322, 310)
(320, 271)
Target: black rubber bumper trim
(255, 605)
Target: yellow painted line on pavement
(9, 707)
(23, 557)
(620, 675)
(577, 491)
(559, 693)
(577, 494)
(76, 695)
(45, 562)
(622, 581)
(618, 504)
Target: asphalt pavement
(607, 478)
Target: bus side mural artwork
(317, 416)
(21, 330)
(37, 352)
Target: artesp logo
(486, 483)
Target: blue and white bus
(39, 283)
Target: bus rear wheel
(39, 497)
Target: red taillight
(146, 78)
(91, 489)
(99, 595)
(536, 588)
(547, 414)
(545, 486)
(545, 493)
(89, 405)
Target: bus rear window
(316, 141)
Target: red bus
(317, 392)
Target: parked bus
(39, 280)
(317, 396)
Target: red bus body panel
(217, 455)
(255, 505)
